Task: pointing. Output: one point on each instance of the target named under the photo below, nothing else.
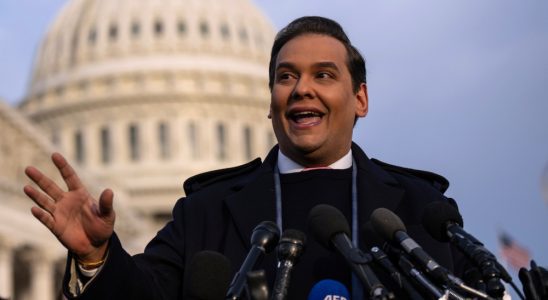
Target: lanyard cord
(356, 285)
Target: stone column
(6, 270)
(42, 273)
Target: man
(318, 91)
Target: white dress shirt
(286, 165)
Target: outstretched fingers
(67, 172)
(44, 217)
(106, 203)
(40, 199)
(45, 183)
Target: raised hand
(81, 223)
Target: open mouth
(306, 117)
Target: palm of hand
(82, 224)
(79, 224)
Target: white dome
(91, 38)
(144, 93)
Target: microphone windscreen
(386, 223)
(328, 289)
(453, 203)
(324, 221)
(293, 236)
(291, 244)
(266, 235)
(208, 276)
(436, 216)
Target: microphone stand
(382, 259)
(361, 260)
(484, 259)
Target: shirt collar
(286, 165)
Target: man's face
(313, 105)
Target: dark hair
(323, 26)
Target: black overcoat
(223, 207)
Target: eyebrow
(286, 65)
(323, 64)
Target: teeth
(306, 117)
(306, 114)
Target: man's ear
(362, 101)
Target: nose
(303, 88)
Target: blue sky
(459, 88)
(456, 87)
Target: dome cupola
(144, 93)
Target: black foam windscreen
(453, 203)
(208, 276)
(386, 223)
(324, 221)
(436, 216)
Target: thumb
(105, 203)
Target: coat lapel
(255, 202)
(376, 188)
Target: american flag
(515, 255)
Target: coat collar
(255, 202)
(376, 187)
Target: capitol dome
(145, 93)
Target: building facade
(138, 95)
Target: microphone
(257, 287)
(389, 226)
(263, 240)
(328, 289)
(376, 248)
(290, 248)
(330, 228)
(408, 269)
(535, 282)
(208, 276)
(444, 223)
